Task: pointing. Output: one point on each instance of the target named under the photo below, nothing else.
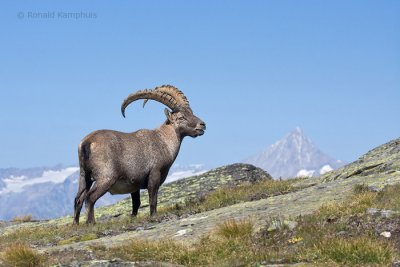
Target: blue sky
(253, 70)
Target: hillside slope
(191, 187)
(314, 192)
(379, 164)
(374, 171)
(377, 168)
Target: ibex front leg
(135, 202)
(152, 187)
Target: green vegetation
(53, 234)
(332, 235)
(356, 251)
(228, 246)
(22, 218)
(231, 195)
(85, 237)
(389, 198)
(335, 234)
(21, 255)
(50, 234)
(235, 229)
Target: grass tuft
(235, 228)
(164, 250)
(21, 255)
(356, 251)
(360, 188)
(22, 218)
(234, 248)
(227, 196)
(356, 204)
(389, 198)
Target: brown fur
(123, 163)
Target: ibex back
(123, 163)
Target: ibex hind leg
(100, 187)
(85, 182)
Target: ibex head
(181, 117)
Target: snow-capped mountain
(49, 192)
(178, 171)
(294, 155)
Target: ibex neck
(171, 138)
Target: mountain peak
(293, 155)
(297, 131)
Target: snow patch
(17, 183)
(325, 169)
(305, 173)
(181, 232)
(197, 166)
(182, 174)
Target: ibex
(123, 163)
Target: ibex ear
(167, 114)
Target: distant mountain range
(294, 155)
(49, 192)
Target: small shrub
(208, 251)
(389, 198)
(356, 251)
(221, 198)
(68, 241)
(23, 218)
(360, 188)
(356, 204)
(164, 250)
(89, 236)
(21, 255)
(235, 228)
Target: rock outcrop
(179, 191)
(379, 164)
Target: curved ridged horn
(156, 95)
(175, 93)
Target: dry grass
(231, 195)
(22, 218)
(389, 198)
(66, 234)
(356, 204)
(235, 228)
(21, 255)
(230, 247)
(314, 240)
(363, 250)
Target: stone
(386, 234)
(381, 213)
